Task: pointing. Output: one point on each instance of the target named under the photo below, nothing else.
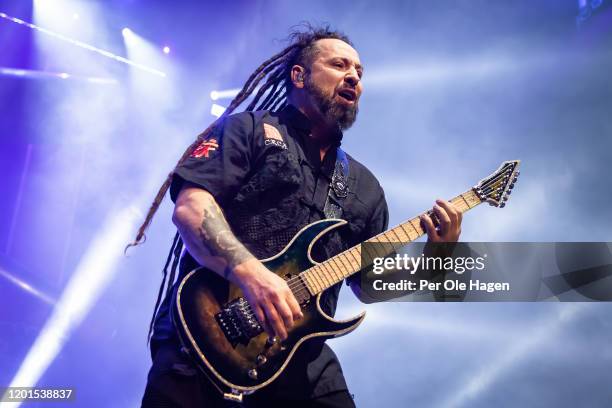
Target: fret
(327, 273)
(355, 253)
(321, 273)
(386, 244)
(374, 248)
(392, 236)
(399, 241)
(400, 233)
(471, 198)
(367, 250)
(335, 269)
(413, 229)
(347, 268)
(317, 275)
(405, 234)
(314, 288)
(467, 205)
(351, 267)
(416, 227)
(459, 204)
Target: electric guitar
(219, 330)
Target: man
(244, 190)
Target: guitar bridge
(238, 322)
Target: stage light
(541, 336)
(95, 270)
(85, 45)
(13, 72)
(226, 94)
(166, 50)
(75, 16)
(126, 32)
(33, 74)
(27, 287)
(217, 110)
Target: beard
(333, 112)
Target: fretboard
(335, 269)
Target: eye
(338, 64)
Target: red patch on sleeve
(204, 148)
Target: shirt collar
(295, 118)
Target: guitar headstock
(496, 188)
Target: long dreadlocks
(272, 95)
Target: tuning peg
(505, 198)
(511, 186)
(515, 179)
(502, 205)
(509, 191)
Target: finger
(296, 310)
(259, 313)
(430, 228)
(444, 219)
(285, 313)
(451, 210)
(275, 321)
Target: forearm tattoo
(218, 237)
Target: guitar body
(207, 308)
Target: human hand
(270, 297)
(449, 227)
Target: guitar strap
(338, 188)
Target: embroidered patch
(270, 132)
(274, 142)
(204, 149)
(273, 137)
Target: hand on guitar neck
(445, 225)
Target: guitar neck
(335, 269)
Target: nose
(352, 77)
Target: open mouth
(348, 95)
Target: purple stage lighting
(166, 50)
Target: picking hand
(270, 297)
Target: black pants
(173, 382)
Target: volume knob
(253, 374)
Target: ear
(297, 76)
